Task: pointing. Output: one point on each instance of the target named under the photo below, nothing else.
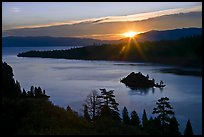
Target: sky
(48, 14)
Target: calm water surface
(68, 82)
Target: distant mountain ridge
(153, 35)
(13, 41)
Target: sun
(130, 34)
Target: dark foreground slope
(185, 51)
(31, 113)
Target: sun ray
(140, 51)
(130, 34)
(132, 44)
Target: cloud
(133, 17)
(70, 22)
(15, 10)
(100, 20)
(100, 36)
(144, 16)
(111, 27)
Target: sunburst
(130, 34)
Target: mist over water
(68, 82)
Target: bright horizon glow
(56, 19)
(130, 34)
(25, 15)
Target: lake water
(68, 82)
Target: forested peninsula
(185, 51)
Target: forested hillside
(185, 51)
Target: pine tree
(174, 126)
(38, 92)
(86, 114)
(157, 123)
(93, 103)
(188, 130)
(24, 94)
(69, 109)
(17, 88)
(125, 115)
(151, 126)
(31, 92)
(109, 106)
(135, 120)
(144, 119)
(164, 111)
(32, 89)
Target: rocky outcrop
(138, 80)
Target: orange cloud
(134, 17)
(110, 28)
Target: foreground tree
(93, 104)
(135, 120)
(86, 113)
(24, 94)
(125, 115)
(188, 130)
(164, 111)
(144, 119)
(10, 87)
(153, 126)
(109, 106)
(174, 126)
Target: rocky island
(138, 80)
